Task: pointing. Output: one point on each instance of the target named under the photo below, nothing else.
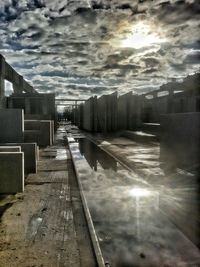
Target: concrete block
(31, 136)
(30, 155)
(139, 136)
(11, 125)
(32, 125)
(52, 131)
(36, 117)
(39, 125)
(45, 133)
(180, 140)
(40, 132)
(10, 148)
(11, 172)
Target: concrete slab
(180, 140)
(32, 136)
(140, 136)
(45, 133)
(11, 125)
(40, 131)
(31, 125)
(30, 155)
(10, 148)
(12, 172)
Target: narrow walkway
(45, 226)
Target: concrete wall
(108, 113)
(101, 114)
(181, 102)
(123, 110)
(35, 106)
(19, 83)
(10, 148)
(11, 125)
(88, 119)
(129, 112)
(180, 140)
(111, 112)
(40, 132)
(134, 112)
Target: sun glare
(139, 192)
(141, 36)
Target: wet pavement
(140, 219)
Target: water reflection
(131, 217)
(95, 156)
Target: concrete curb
(95, 242)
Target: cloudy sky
(87, 47)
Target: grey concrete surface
(11, 125)
(9, 148)
(11, 172)
(32, 136)
(30, 155)
(8, 73)
(180, 139)
(40, 131)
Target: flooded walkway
(45, 226)
(140, 215)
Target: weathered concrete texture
(11, 172)
(180, 140)
(8, 73)
(32, 136)
(88, 119)
(2, 91)
(41, 132)
(128, 111)
(151, 128)
(10, 148)
(36, 106)
(46, 133)
(139, 136)
(38, 117)
(11, 125)
(30, 155)
(106, 113)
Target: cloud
(74, 47)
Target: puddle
(61, 154)
(34, 225)
(96, 157)
(132, 218)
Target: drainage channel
(125, 220)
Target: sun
(142, 35)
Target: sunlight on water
(139, 192)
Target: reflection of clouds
(132, 230)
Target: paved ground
(45, 226)
(175, 192)
(180, 189)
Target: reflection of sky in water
(61, 154)
(126, 212)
